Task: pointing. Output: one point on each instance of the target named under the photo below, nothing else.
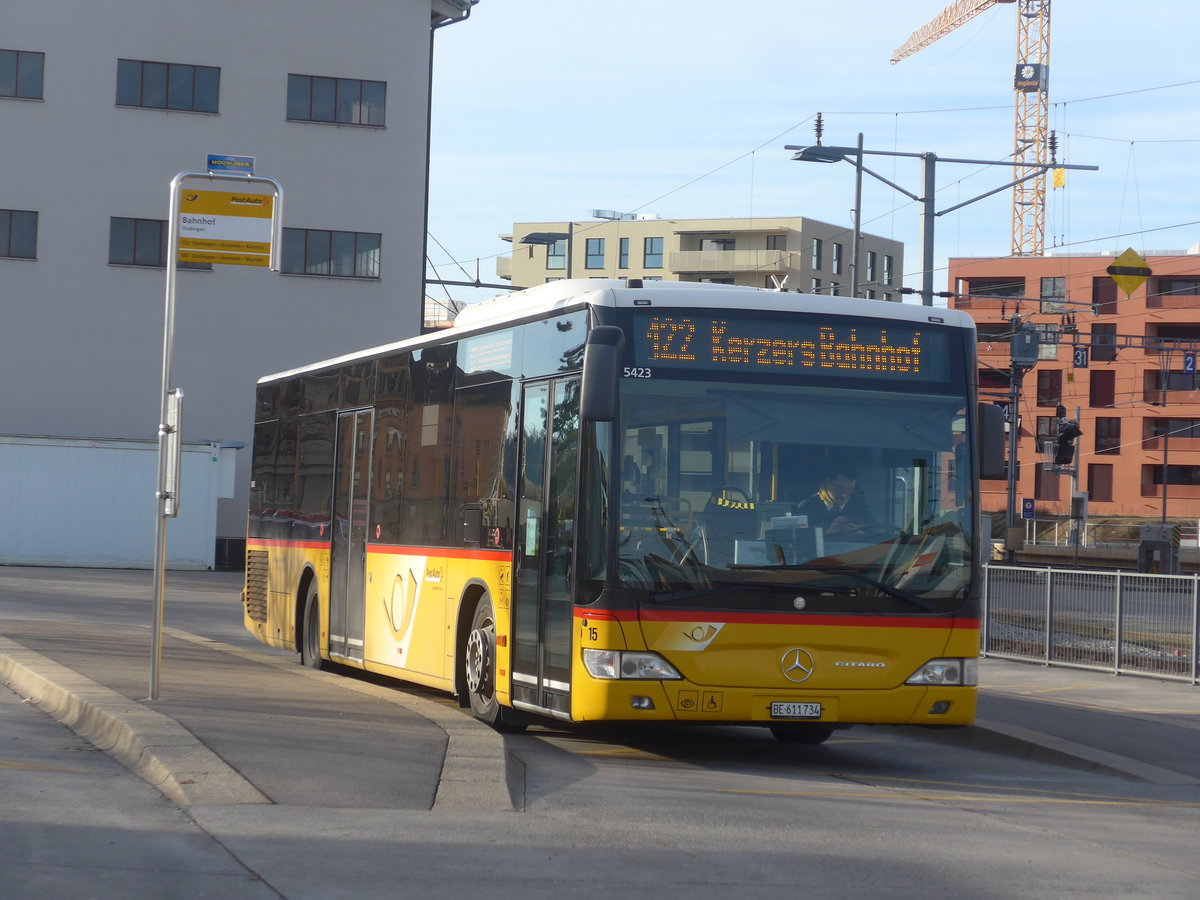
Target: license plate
(792, 710)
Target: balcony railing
(769, 262)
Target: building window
(556, 254)
(1102, 388)
(816, 253)
(1099, 482)
(1104, 342)
(348, 254)
(1047, 340)
(1053, 295)
(1175, 286)
(1175, 381)
(996, 287)
(623, 254)
(872, 265)
(835, 289)
(835, 260)
(1104, 296)
(652, 253)
(1108, 435)
(652, 278)
(720, 244)
(776, 241)
(341, 101)
(158, 85)
(1045, 483)
(1176, 428)
(1049, 387)
(18, 233)
(816, 285)
(21, 74)
(1047, 430)
(141, 242)
(595, 254)
(889, 269)
(1189, 475)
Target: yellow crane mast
(1031, 115)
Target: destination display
(831, 345)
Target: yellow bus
(602, 501)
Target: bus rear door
(348, 551)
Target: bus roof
(558, 296)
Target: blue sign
(1189, 364)
(238, 165)
(1026, 509)
(1079, 357)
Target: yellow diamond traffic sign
(1129, 271)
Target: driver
(837, 507)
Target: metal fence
(1115, 622)
(1057, 533)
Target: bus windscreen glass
(833, 492)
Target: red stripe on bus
(443, 552)
(278, 542)
(776, 618)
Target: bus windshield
(816, 497)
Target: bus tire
(802, 734)
(310, 637)
(479, 671)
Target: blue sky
(547, 109)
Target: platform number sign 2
(1189, 364)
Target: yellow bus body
(732, 664)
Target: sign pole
(167, 492)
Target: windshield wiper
(723, 588)
(914, 599)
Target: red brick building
(1138, 397)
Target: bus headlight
(947, 671)
(634, 664)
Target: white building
(102, 104)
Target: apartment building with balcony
(1137, 390)
(798, 253)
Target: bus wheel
(479, 670)
(802, 734)
(310, 640)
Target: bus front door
(543, 609)
(348, 549)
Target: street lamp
(929, 213)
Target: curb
(476, 774)
(1076, 755)
(153, 746)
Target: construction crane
(1030, 144)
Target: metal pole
(161, 497)
(1166, 371)
(928, 214)
(1014, 399)
(570, 245)
(160, 517)
(855, 280)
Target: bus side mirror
(602, 356)
(991, 441)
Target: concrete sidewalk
(236, 726)
(1139, 727)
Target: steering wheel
(729, 489)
